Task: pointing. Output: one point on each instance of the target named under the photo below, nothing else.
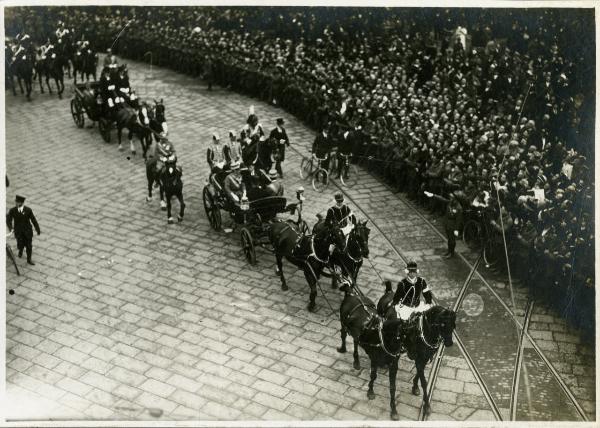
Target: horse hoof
(394, 416)
(148, 198)
(416, 391)
(179, 219)
(427, 409)
(356, 365)
(311, 307)
(284, 287)
(370, 395)
(170, 220)
(120, 148)
(341, 350)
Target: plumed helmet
(411, 266)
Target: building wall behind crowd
(445, 99)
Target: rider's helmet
(411, 266)
(339, 197)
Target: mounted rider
(164, 153)
(409, 290)
(340, 215)
(62, 31)
(253, 130)
(23, 46)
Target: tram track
(521, 326)
(461, 346)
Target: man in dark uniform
(340, 214)
(280, 138)
(345, 146)
(322, 147)
(452, 220)
(409, 290)
(23, 219)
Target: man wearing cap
(339, 214)
(280, 138)
(22, 217)
(409, 290)
(322, 147)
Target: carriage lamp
(244, 205)
(300, 194)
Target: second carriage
(252, 217)
(86, 102)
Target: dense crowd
(492, 106)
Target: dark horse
(85, 62)
(22, 67)
(126, 116)
(385, 338)
(310, 253)
(53, 68)
(171, 183)
(153, 121)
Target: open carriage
(85, 101)
(252, 217)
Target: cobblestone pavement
(126, 317)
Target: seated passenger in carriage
(110, 60)
(233, 150)
(235, 190)
(123, 86)
(216, 158)
(259, 184)
(108, 90)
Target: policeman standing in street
(20, 218)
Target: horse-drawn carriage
(252, 216)
(86, 101)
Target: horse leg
(421, 373)
(58, 88)
(415, 389)
(163, 203)
(20, 85)
(356, 363)
(40, 80)
(28, 87)
(181, 206)
(313, 289)
(343, 334)
(119, 132)
(48, 83)
(370, 392)
(169, 218)
(392, 372)
(131, 147)
(279, 271)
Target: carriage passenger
(216, 156)
(233, 150)
(123, 86)
(233, 184)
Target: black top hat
(280, 121)
(19, 199)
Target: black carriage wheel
(306, 167)
(248, 246)
(470, 234)
(104, 128)
(349, 176)
(320, 180)
(213, 212)
(77, 113)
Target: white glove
(331, 248)
(456, 233)
(428, 194)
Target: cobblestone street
(125, 317)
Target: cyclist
(345, 146)
(321, 148)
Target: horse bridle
(422, 333)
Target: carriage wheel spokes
(471, 234)
(248, 245)
(306, 167)
(320, 180)
(213, 212)
(104, 127)
(77, 113)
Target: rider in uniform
(409, 290)
(340, 214)
(279, 136)
(253, 129)
(165, 152)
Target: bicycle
(320, 176)
(11, 255)
(349, 172)
(478, 234)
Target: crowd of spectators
(493, 105)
